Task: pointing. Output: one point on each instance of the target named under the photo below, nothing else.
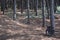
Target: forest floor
(19, 30)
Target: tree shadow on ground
(20, 37)
(29, 30)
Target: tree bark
(52, 22)
(14, 9)
(48, 8)
(2, 5)
(43, 14)
(28, 21)
(21, 6)
(36, 7)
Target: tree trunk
(21, 6)
(2, 5)
(36, 7)
(48, 8)
(52, 13)
(14, 9)
(43, 10)
(28, 21)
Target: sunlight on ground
(20, 13)
(27, 31)
(47, 20)
(20, 24)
